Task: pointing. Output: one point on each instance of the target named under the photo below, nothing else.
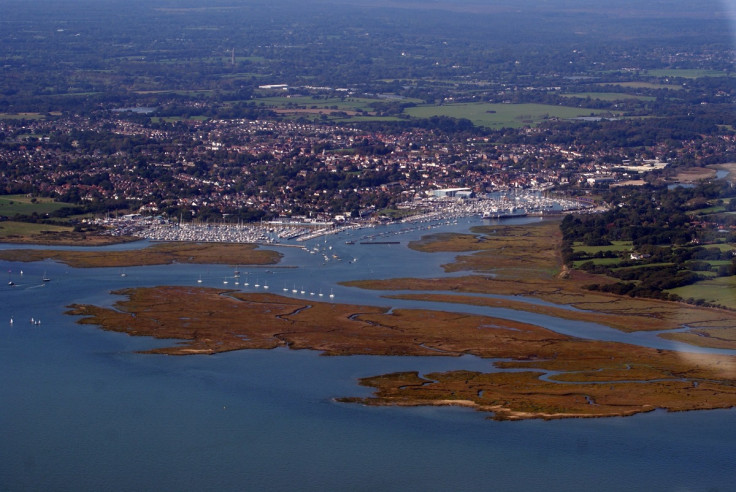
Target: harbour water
(81, 410)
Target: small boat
(45, 277)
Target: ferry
(506, 213)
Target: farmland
(503, 115)
(12, 205)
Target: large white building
(453, 193)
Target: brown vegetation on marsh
(158, 254)
(581, 378)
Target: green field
(609, 96)
(721, 290)
(11, 205)
(722, 246)
(10, 229)
(686, 73)
(502, 115)
(708, 210)
(615, 246)
(21, 116)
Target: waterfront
(87, 412)
(434, 211)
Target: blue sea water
(81, 410)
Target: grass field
(11, 205)
(686, 73)
(722, 246)
(10, 229)
(21, 116)
(721, 290)
(615, 246)
(709, 210)
(502, 115)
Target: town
(265, 169)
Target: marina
(495, 206)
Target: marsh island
(533, 372)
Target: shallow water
(82, 411)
